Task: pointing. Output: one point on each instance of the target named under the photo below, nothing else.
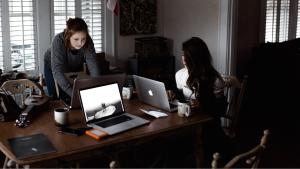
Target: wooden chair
(20, 89)
(234, 90)
(249, 159)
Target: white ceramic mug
(127, 92)
(61, 116)
(184, 109)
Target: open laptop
(95, 81)
(153, 92)
(103, 109)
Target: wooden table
(68, 145)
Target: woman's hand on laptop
(171, 95)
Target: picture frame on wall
(138, 17)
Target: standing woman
(201, 82)
(69, 51)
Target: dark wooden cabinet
(157, 68)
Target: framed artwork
(138, 17)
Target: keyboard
(113, 121)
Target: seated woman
(200, 81)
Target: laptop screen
(101, 102)
(94, 81)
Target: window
(280, 22)
(19, 42)
(89, 10)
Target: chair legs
(10, 164)
(5, 163)
(113, 164)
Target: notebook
(104, 110)
(32, 145)
(95, 81)
(153, 92)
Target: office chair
(234, 91)
(249, 159)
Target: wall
(179, 20)
(248, 32)
(186, 18)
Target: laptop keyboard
(113, 121)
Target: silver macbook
(104, 110)
(153, 92)
(95, 81)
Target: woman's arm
(219, 87)
(91, 61)
(58, 56)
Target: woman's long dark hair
(76, 25)
(202, 74)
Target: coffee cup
(184, 109)
(127, 92)
(61, 116)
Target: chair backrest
(234, 90)
(249, 159)
(20, 89)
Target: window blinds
(22, 34)
(271, 19)
(284, 20)
(93, 15)
(298, 21)
(63, 10)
